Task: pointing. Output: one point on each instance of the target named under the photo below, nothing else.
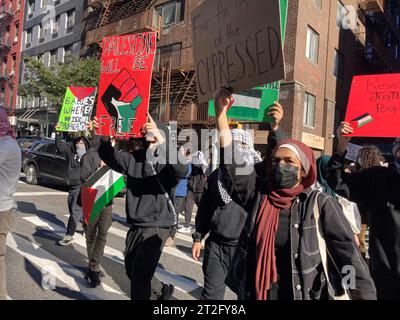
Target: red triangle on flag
(88, 196)
(82, 92)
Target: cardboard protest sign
(374, 106)
(230, 51)
(99, 190)
(124, 93)
(77, 109)
(352, 152)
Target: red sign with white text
(125, 81)
(374, 106)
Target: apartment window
(14, 64)
(341, 13)
(44, 3)
(171, 12)
(67, 52)
(31, 8)
(16, 32)
(53, 57)
(70, 20)
(338, 64)
(309, 110)
(10, 6)
(312, 45)
(318, 3)
(19, 4)
(28, 39)
(170, 53)
(41, 33)
(56, 26)
(11, 98)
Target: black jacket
(378, 190)
(308, 279)
(146, 204)
(73, 158)
(225, 221)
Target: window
(318, 3)
(70, 20)
(341, 12)
(44, 3)
(309, 110)
(170, 53)
(16, 32)
(56, 26)
(31, 8)
(28, 39)
(11, 98)
(41, 33)
(19, 5)
(312, 45)
(67, 52)
(171, 12)
(14, 63)
(338, 64)
(53, 57)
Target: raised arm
(61, 145)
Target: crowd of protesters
(283, 227)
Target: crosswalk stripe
(122, 234)
(46, 193)
(61, 270)
(180, 283)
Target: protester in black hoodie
(150, 212)
(74, 154)
(223, 218)
(378, 190)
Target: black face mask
(284, 176)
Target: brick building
(327, 42)
(11, 20)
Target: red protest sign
(124, 92)
(374, 106)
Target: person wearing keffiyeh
(10, 166)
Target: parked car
(25, 147)
(44, 161)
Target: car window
(51, 148)
(40, 147)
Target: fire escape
(173, 90)
(380, 44)
(6, 17)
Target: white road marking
(122, 233)
(63, 271)
(45, 193)
(179, 282)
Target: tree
(50, 83)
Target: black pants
(179, 203)
(142, 253)
(191, 199)
(217, 258)
(75, 210)
(387, 285)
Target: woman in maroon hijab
(278, 256)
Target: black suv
(44, 161)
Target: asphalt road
(39, 269)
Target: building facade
(11, 24)
(52, 31)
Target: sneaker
(167, 292)
(66, 240)
(185, 230)
(169, 242)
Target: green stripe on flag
(106, 198)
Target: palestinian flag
(362, 120)
(99, 190)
